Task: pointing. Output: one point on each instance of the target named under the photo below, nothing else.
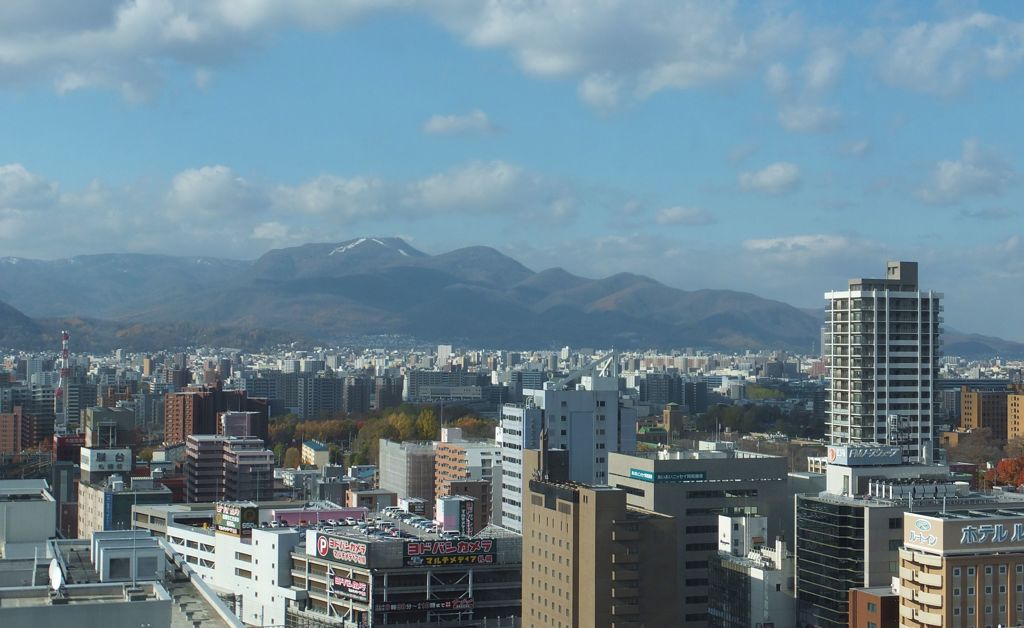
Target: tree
(146, 454)
(292, 458)
(279, 450)
(427, 426)
(1008, 471)
(977, 447)
(475, 427)
(1014, 448)
(405, 425)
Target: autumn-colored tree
(292, 458)
(475, 427)
(405, 425)
(1009, 471)
(146, 454)
(427, 427)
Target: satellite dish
(56, 575)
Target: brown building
(475, 465)
(588, 559)
(226, 468)
(962, 568)
(1015, 414)
(874, 607)
(984, 408)
(195, 411)
(10, 431)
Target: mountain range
(383, 286)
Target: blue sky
(778, 148)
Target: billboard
(236, 519)
(466, 508)
(864, 455)
(667, 476)
(960, 535)
(339, 549)
(437, 553)
(426, 605)
(349, 588)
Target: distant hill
(475, 295)
(329, 292)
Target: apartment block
(882, 348)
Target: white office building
(882, 345)
(588, 420)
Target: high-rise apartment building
(588, 558)
(882, 349)
(587, 419)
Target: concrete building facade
(589, 559)
(694, 486)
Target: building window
(988, 570)
(956, 572)
(956, 591)
(872, 607)
(956, 611)
(970, 571)
(970, 590)
(1002, 568)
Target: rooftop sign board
(436, 553)
(339, 549)
(864, 455)
(963, 535)
(667, 476)
(237, 519)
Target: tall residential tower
(882, 346)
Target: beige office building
(962, 569)
(589, 560)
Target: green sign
(667, 476)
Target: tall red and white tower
(60, 395)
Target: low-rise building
(345, 577)
(28, 517)
(750, 581)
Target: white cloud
(776, 179)
(988, 213)
(211, 190)
(858, 148)
(978, 172)
(349, 198)
(24, 189)
(808, 118)
(778, 79)
(822, 68)
(612, 47)
(475, 121)
(601, 91)
(944, 57)
(807, 248)
(690, 216)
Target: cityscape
(508, 314)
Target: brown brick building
(874, 607)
